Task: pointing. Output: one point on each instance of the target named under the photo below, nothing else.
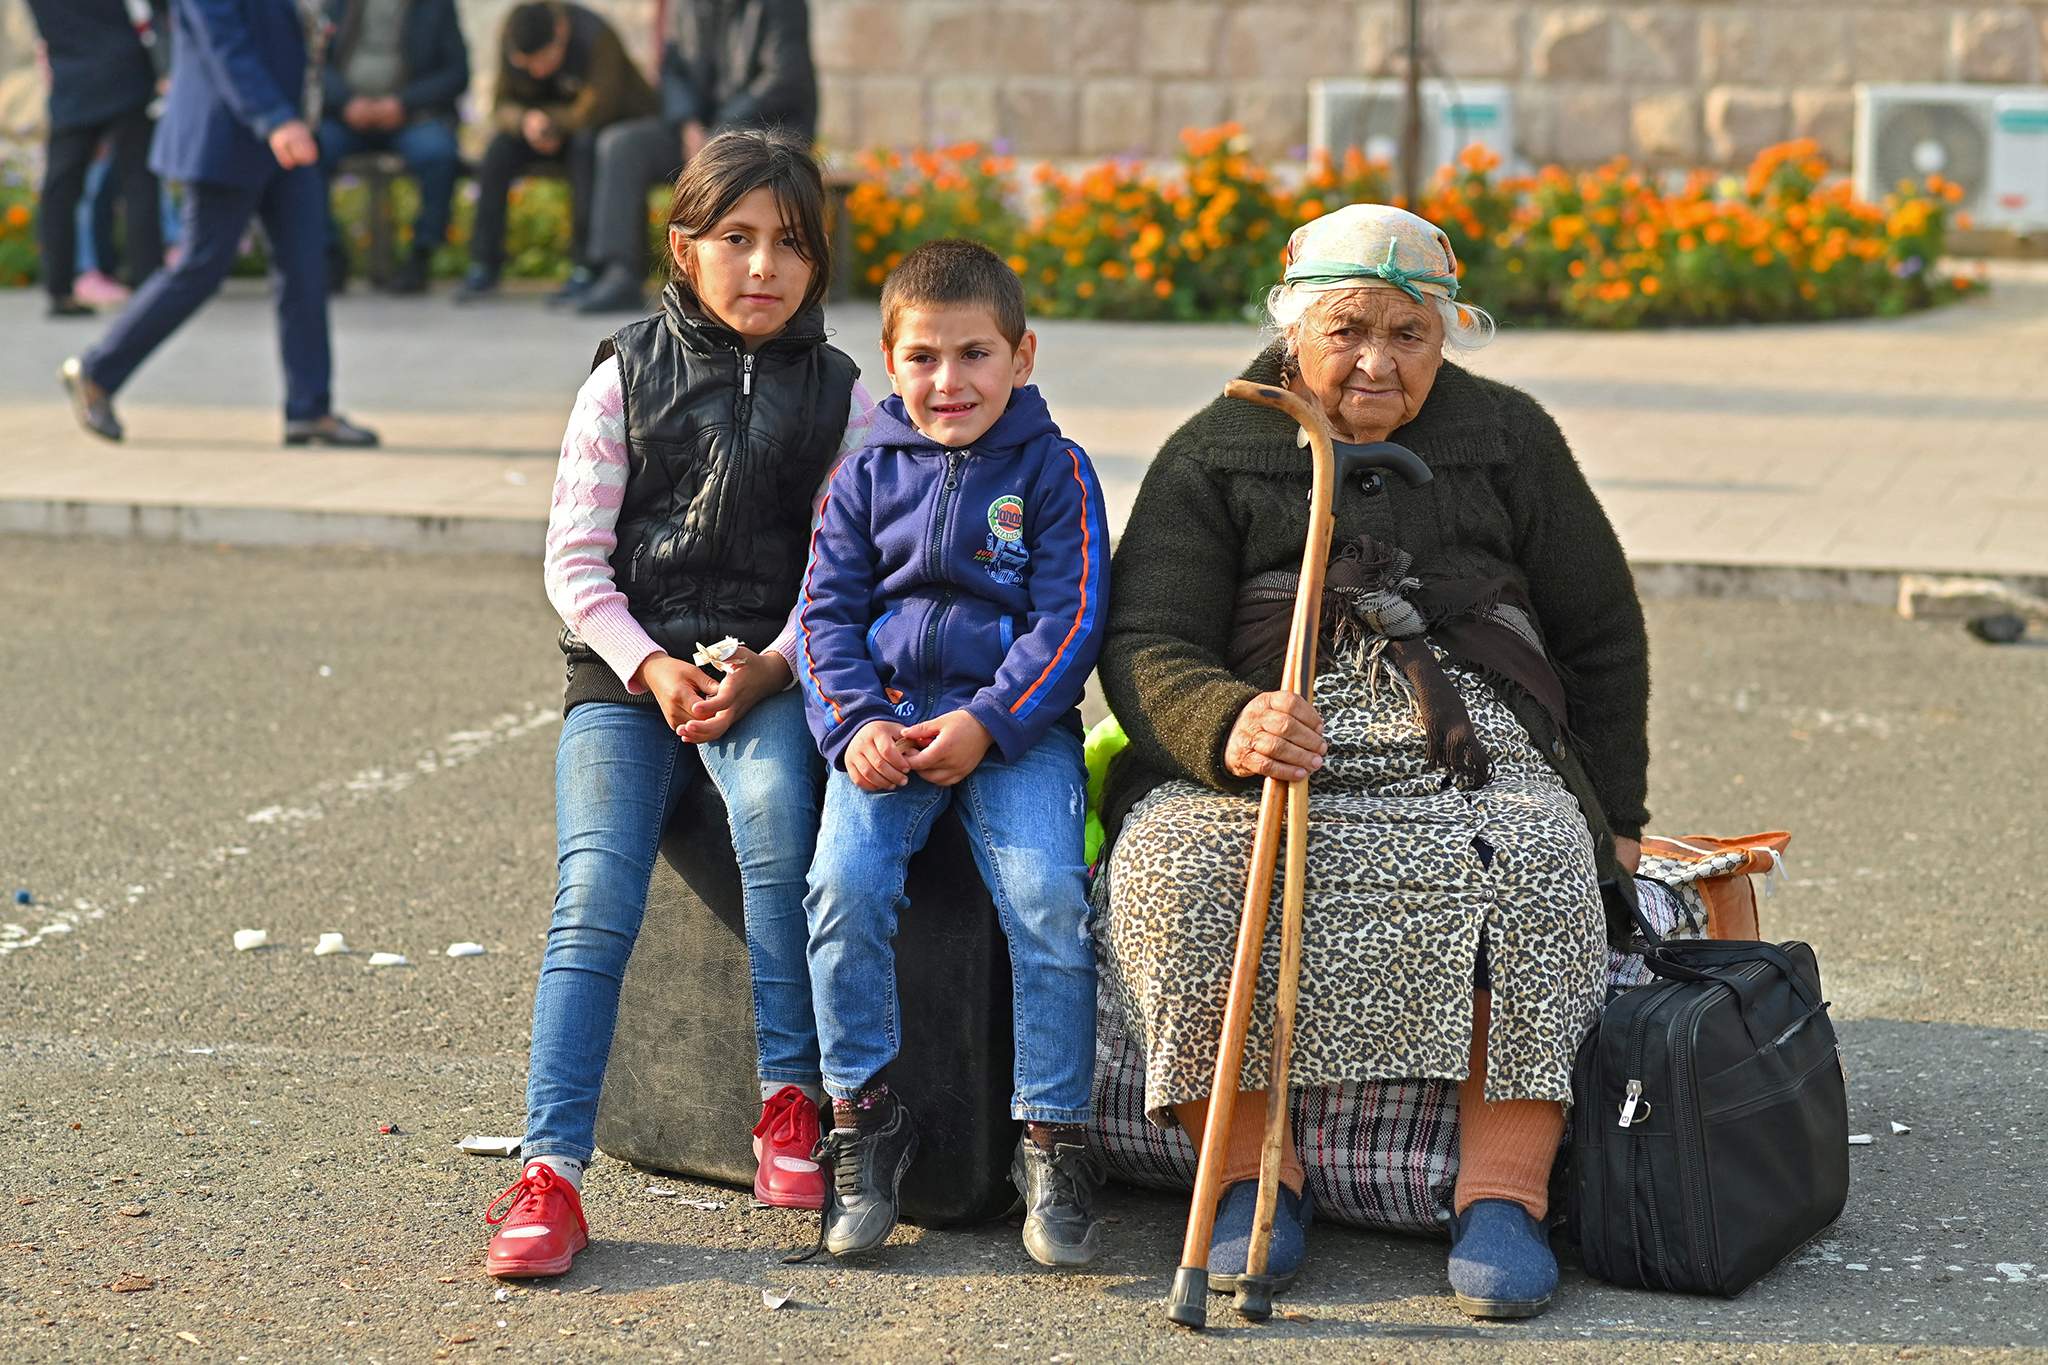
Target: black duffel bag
(1710, 1125)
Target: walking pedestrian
(102, 82)
(235, 131)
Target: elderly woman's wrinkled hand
(1277, 735)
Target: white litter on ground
(329, 945)
(465, 950)
(1898, 1128)
(480, 1144)
(245, 939)
(388, 960)
(1861, 1139)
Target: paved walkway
(1877, 446)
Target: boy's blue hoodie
(942, 579)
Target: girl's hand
(749, 678)
(1277, 735)
(876, 760)
(676, 687)
(949, 747)
(1629, 853)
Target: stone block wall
(1668, 82)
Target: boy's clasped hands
(942, 751)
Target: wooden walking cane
(1188, 1303)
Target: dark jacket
(948, 579)
(1227, 498)
(725, 451)
(597, 84)
(431, 48)
(740, 63)
(240, 73)
(99, 69)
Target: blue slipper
(1232, 1241)
(1501, 1266)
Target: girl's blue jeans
(619, 771)
(1025, 823)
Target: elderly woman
(1476, 745)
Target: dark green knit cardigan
(1227, 498)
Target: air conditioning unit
(1992, 140)
(1367, 114)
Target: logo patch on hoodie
(1004, 556)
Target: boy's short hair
(531, 27)
(952, 271)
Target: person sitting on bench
(563, 76)
(724, 64)
(394, 70)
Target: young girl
(682, 510)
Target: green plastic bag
(1103, 743)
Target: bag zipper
(1638, 1027)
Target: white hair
(1466, 326)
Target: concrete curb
(279, 527)
(433, 533)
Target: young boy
(951, 612)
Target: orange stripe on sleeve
(1080, 612)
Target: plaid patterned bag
(1379, 1154)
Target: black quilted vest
(725, 451)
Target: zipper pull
(747, 373)
(952, 469)
(1629, 1105)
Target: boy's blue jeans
(619, 770)
(1024, 821)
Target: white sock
(770, 1089)
(567, 1167)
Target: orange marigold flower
(1576, 269)
(1163, 288)
(1650, 284)
(1085, 289)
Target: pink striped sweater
(590, 483)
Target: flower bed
(1602, 248)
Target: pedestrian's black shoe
(92, 405)
(574, 288)
(411, 277)
(867, 1165)
(330, 430)
(69, 306)
(479, 283)
(617, 290)
(1058, 1187)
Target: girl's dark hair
(732, 166)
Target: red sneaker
(783, 1142)
(541, 1228)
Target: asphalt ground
(195, 741)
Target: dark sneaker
(481, 282)
(331, 430)
(617, 290)
(71, 306)
(867, 1167)
(1058, 1187)
(574, 288)
(92, 405)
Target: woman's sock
(1247, 1137)
(1046, 1136)
(1505, 1149)
(566, 1167)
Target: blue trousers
(292, 206)
(1025, 823)
(431, 158)
(618, 772)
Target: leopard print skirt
(1406, 880)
